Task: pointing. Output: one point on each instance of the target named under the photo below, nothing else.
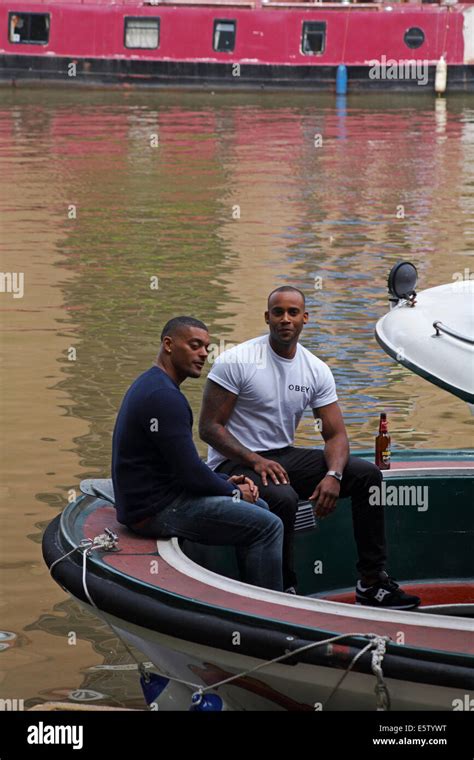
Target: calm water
(122, 210)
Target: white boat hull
(407, 334)
(273, 687)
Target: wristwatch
(335, 474)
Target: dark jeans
(306, 468)
(256, 533)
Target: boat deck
(175, 574)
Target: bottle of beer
(382, 444)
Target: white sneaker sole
(388, 606)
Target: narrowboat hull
(99, 73)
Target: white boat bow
(435, 337)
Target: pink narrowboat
(240, 44)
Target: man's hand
(242, 479)
(325, 496)
(247, 494)
(267, 468)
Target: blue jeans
(256, 532)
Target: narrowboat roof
(435, 5)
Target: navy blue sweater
(154, 458)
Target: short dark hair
(174, 325)
(284, 289)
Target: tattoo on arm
(217, 406)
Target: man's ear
(167, 341)
(305, 317)
(267, 317)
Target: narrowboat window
(313, 40)
(224, 35)
(31, 28)
(414, 37)
(142, 32)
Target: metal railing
(441, 328)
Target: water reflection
(125, 209)
(116, 687)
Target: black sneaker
(386, 593)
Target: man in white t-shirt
(254, 398)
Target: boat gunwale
(192, 604)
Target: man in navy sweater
(162, 488)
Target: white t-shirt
(272, 393)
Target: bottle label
(386, 455)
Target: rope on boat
(108, 542)
(382, 693)
(376, 641)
